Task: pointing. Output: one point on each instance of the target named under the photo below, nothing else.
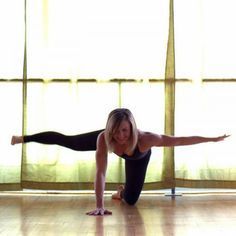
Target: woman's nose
(120, 134)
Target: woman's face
(123, 132)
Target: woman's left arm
(168, 141)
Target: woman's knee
(131, 200)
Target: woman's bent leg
(135, 171)
(80, 142)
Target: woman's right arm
(101, 167)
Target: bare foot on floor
(16, 140)
(117, 195)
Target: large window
(85, 58)
(11, 70)
(205, 91)
(97, 39)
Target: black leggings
(80, 142)
(135, 170)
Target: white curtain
(97, 39)
(86, 58)
(11, 69)
(205, 100)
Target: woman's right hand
(99, 212)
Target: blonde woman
(121, 137)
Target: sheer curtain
(205, 93)
(170, 62)
(11, 61)
(86, 58)
(99, 40)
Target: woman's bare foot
(16, 140)
(117, 195)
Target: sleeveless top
(137, 155)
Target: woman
(121, 137)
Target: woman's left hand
(221, 138)
(99, 212)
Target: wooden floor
(159, 215)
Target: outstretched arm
(101, 166)
(168, 141)
(179, 141)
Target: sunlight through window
(205, 39)
(97, 39)
(12, 39)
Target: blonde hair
(113, 122)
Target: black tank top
(137, 155)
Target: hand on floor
(99, 212)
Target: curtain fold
(169, 167)
(24, 92)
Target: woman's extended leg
(135, 171)
(80, 142)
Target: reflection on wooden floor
(64, 214)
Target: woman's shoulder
(148, 139)
(142, 135)
(102, 133)
(101, 143)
